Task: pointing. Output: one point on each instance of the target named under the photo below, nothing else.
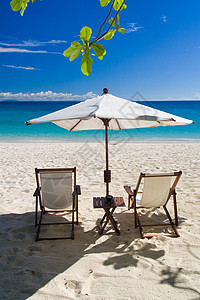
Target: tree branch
(97, 39)
(103, 24)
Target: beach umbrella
(109, 112)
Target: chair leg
(135, 214)
(141, 229)
(129, 200)
(36, 211)
(138, 223)
(72, 235)
(76, 209)
(175, 209)
(39, 225)
(171, 222)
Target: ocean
(13, 114)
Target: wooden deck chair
(157, 190)
(56, 192)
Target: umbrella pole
(107, 172)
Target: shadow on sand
(26, 266)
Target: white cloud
(18, 50)
(31, 43)
(132, 27)
(15, 47)
(51, 96)
(196, 96)
(164, 18)
(20, 67)
(44, 96)
(12, 50)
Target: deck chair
(157, 191)
(56, 193)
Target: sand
(93, 266)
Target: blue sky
(159, 56)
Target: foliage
(87, 44)
(20, 4)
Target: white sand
(93, 266)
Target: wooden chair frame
(132, 195)
(43, 210)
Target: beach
(92, 266)
(108, 99)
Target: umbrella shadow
(26, 265)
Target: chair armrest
(78, 189)
(128, 190)
(36, 193)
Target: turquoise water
(14, 114)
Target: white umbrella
(109, 112)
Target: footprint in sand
(33, 249)
(73, 285)
(18, 235)
(9, 255)
(15, 256)
(21, 233)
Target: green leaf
(68, 51)
(86, 64)
(110, 34)
(122, 30)
(104, 2)
(19, 4)
(24, 6)
(85, 34)
(118, 3)
(99, 50)
(112, 22)
(73, 51)
(16, 5)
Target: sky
(157, 58)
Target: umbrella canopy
(109, 112)
(123, 114)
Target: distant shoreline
(112, 142)
(77, 101)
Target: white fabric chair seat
(56, 190)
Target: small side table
(100, 202)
